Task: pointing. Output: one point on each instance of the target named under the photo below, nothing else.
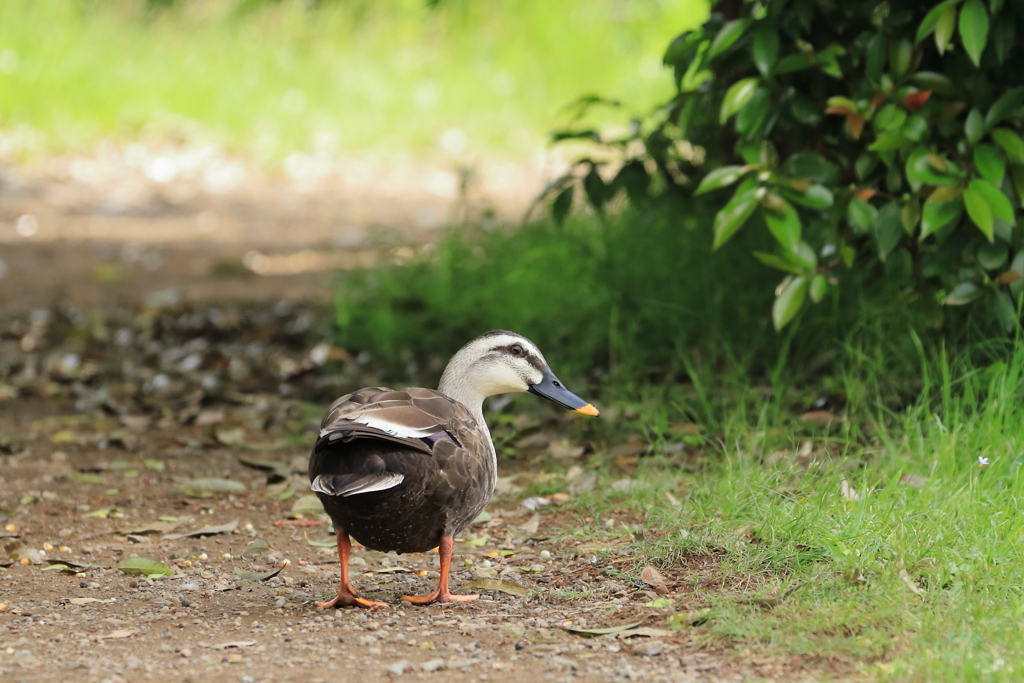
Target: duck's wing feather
(420, 420)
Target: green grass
(781, 528)
(388, 76)
(669, 334)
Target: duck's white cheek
(502, 379)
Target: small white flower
(982, 461)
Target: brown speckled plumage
(449, 472)
(407, 470)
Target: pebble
(651, 649)
(398, 668)
(433, 665)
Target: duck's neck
(454, 385)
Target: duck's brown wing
(406, 423)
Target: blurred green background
(270, 78)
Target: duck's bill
(551, 388)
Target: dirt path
(133, 384)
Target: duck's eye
(516, 350)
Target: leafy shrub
(884, 138)
(635, 296)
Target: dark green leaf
(1004, 34)
(926, 168)
(974, 29)
(974, 127)
(794, 62)
(560, 207)
(595, 188)
(767, 156)
(916, 128)
(802, 254)
(634, 179)
(732, 217)
(998, 202)
(910, 214)
(841, 105)
(811, 166)
(803, 110)
(936, 82)
(816, 197)
(773, 261)
(681, 51)
(888, 228)
(993, 255)
(765, 48)
(901, 51)
(1006, 311)
(1009, 102)
(937, 215)
(888, 118)
(720, 177)
(862, 215)
(866, 163)
(1010, 142)
(786, 227)
(928, 23)
(738, 94)
(1003, 230)
(753, 113)
(893, 177)
(727, 35)
(979, 210)
(1017, 173)
(875, 58)
(944, 27)
(990, 163)
(818, 288)
(1017, 286)
(964, 293)
(789, 301)
(888, 142)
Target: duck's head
(502, 362)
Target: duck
(407, 470)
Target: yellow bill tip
(588, 410)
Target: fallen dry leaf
(914, 481)
(821, 417)
(87, 601)
(914, 588)
(847, 491)
(257, 576)
(510, 587)
(591, 632)
(205, 531)
(531, 525)
(224, 646)
(647, 632)
(653, 578)
(120, 633)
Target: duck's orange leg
(346, 596)
(442, 593)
